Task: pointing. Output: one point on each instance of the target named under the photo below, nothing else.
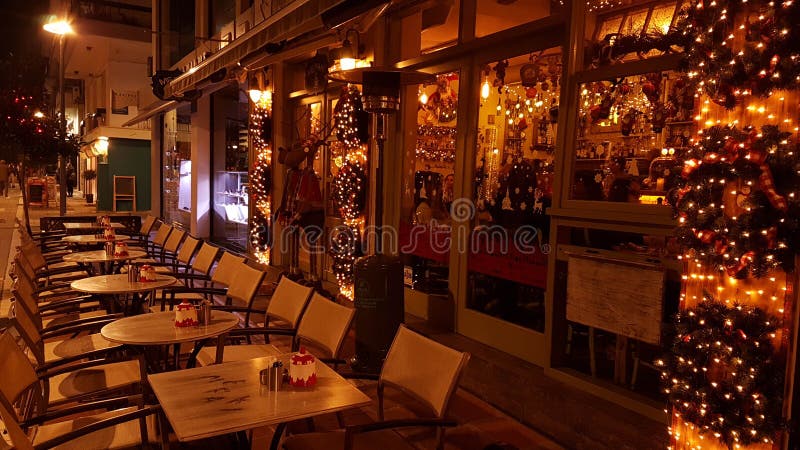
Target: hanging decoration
(742, 48)
(737, 201)
(722, 373)
(442, 103)
(349, 186)
(260, 129)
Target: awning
(294, 19)
(153, 109)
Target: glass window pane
(494, 16)
(631, 136)
(177, 22)
(661, 19)
(512, 188)
(595, 351)
(177, 170)
(230, 160)
(428, 186)
(439, 25)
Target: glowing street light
(61, 28)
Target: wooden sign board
(623, 298)
(125, 185)
(125, 189)
(36, 193)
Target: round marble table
(92, 239)
(101, 258)
(158, 329)
(119, 284)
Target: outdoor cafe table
(92, 239)
(100, 257)
(158, 328)
(74, 227)
(119, 284)
(228, 398)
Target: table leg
(276, 438)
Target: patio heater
(378, 290)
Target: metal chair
(415, 365)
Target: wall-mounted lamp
(99, 148)
(259, 92)
(350, 53)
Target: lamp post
(61, 28)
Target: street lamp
(61, 28)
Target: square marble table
(228, 398)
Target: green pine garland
(722, 374)
(756, 241)
(740, 47)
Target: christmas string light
(349, 188)
(722, 376)
(260, 130)
(737, 202)
(740, 48)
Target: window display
(425, 225)
(177, 167)
(631, 136)
(512, 187)
(231, 199)
(231, 209)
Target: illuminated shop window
(512, 187)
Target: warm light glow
(100, 146)
(485, 89)
(60, 27)
(261, 98)
(423, 98)
(347, 63)
(38, 114)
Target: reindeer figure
(538, 207)
(302, 206)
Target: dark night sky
(20, 22)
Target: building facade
(522, 179)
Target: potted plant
(88, 176)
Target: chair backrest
(205, 258)
(34, 255)
(23, 266)
(16, 371)
(422, 368)
(174, 240)
(187, 249)
(19, 440)
(288, 301)
(162, 234)
(248, 280)
(147, 225)
(24, 293)
(226, 269)
(325, 323)
(29, 332)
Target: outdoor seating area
(97, 358)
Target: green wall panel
(126, 157)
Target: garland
(742, 47)
(722, 374)
(737, 200)
(260, 129)
(350, 191)
(349, 187)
